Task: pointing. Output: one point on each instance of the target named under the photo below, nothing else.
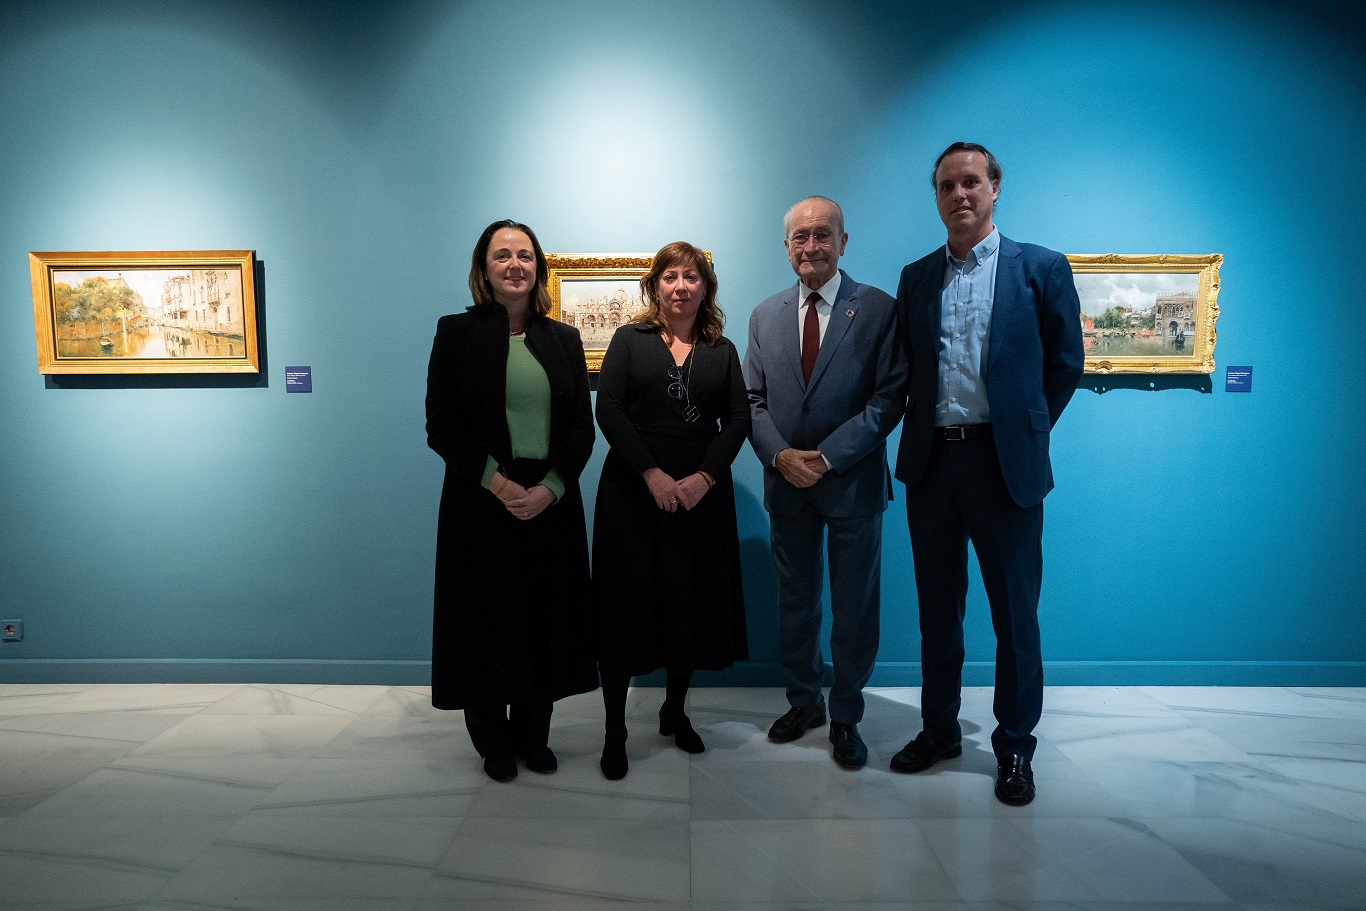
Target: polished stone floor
(360, 798)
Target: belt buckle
(956, 433)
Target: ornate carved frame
(1199, 358)
(43, 266)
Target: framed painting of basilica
(145, 312)
(596, 295)
(1148, 314)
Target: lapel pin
(849, 313)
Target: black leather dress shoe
(796, 722)
(923, 752)
(540, 760)
(501, 768)
(1014, 780)
(850, 751)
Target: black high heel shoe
(614, 763)
(676, 723)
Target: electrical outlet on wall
(11, 630)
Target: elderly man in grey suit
(827, 383)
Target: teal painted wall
(208, 529)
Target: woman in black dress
(666, 551)
(509, 412)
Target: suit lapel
(1005, 302)
(843, 312)
(790, 336)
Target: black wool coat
(513, 620)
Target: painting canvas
(1148, 314)
(191, 312)
(596, 295)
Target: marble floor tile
(209, 736)
(156, 787)
(317, 857)
(1099, 737)
(553, 904)
(1292, 738)
(170, 699)
(406, 701)
(1197, 702)
(376, 787)
(33, 698)
(298, 699)
(1315, 863)
(1350, 702)
(131, 728)
(1041, 859)
(332, 798)
(1305, 790)
(436, 737)
(814, 860)
(1105, 702)
(564, 859)
(122, 859)
(792, 790)
(655, 788)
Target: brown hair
(480, 289)
(993, 166)
(710, 320)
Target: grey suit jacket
(855, 398)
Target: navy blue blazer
(854, 400)
(1034, 361)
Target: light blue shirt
(964, 333)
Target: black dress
(667, 585)
(513, 619)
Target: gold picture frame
(145, 312)
(1148, 314)
(597, 295)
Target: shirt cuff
(490, 469)
(554, 483)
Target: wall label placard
(298, 379)
(1238, 379)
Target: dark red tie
(811, 337)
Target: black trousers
(501, 731)
(962, 497)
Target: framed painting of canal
(1148, 314)
(145, 312)
(596, 295)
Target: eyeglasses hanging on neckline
(678, 389)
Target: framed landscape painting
(1148, 314)
(145, 312)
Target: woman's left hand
(532, 504)
(692, 489)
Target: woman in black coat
(666, 549)
(508, 410)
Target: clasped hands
(518, 500)
(670, 494)
(801, 467)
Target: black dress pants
(962, 497)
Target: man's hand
(801, 468)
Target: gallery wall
(203, 528)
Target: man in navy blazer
(827, 380)
(992, 331)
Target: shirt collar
(827, 291)
(986, 247)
